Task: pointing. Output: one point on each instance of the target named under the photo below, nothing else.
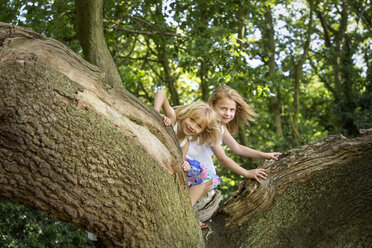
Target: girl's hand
(257, 174)
(272, 155)
(166, 120)
(186, 166)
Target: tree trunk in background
(241, 34)
(297, 71)
(169, 79)
(297, 66)
(96, 158)
(274, 100)
(89, 29)
(204, 86)
(316, 196)
(162, 54)
(204, 60)
(339, 44)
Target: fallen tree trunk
(92, 156)
(319, 195)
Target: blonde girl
(233, 111)
(196, 122)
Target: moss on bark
(77, 166)
(315, 196)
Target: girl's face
(191, 126)
(225, 108)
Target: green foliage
(52, 18)
(23, 228)
(10, 10)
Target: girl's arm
(185, 164)
(185, 149)
(256, 174)
(169, 117)
(245, 150)
(161, 102)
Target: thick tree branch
(94, 157)
(317, 191)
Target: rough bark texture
(319, 195)
(99, 159)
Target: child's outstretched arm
(245, 151)
(161, 102)
(256, 174)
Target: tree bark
(89, 29)
(95, 157)
(316, 196)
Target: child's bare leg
(199, 190)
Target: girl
(232, 110)
(195, 122)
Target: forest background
(304, 66)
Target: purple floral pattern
(199, 174)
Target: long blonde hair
(201, 111)
(244, 112)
